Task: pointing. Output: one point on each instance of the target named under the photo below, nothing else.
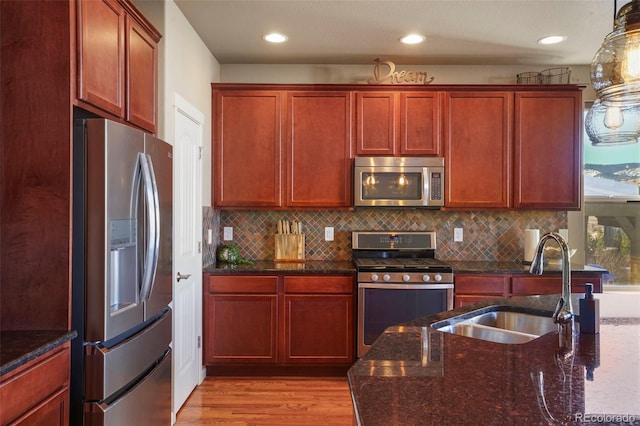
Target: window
(612, 212)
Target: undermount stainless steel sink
(500, 324)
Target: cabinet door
(377, 123)
(242, 328)
(548, 150)
(241, 319)
(39, 394)
(496, 284)
(101, 58)
(419, 123)
(319, 149)
(247, 146)
(472, 288)
(477, 141)
(319, 320)
(141, 76)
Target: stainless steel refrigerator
(122, 276)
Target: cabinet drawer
(316, 285)
(22, 392)
(578, 282)
(243, 284)
(465, 300)
(536, 285)
(481, 284)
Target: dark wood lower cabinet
(279, 321)
(37, 393)
(319, 320)
(475, 287)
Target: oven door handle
(445, 286)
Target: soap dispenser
(589, 311)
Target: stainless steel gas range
(399, 280)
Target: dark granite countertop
(340, 267)
(416, 375)
(269, 266)
(512, 267)
(21, 346)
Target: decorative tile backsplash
(488, 236)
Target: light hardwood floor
(269, 401)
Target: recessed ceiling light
(275, 38)
(412, 39)
(552, 39)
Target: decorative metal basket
(561, 75)
(529, 78)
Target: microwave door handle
(426, 182)
(153, 226)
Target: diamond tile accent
(488, 236)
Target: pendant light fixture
(615, 75)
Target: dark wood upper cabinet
(117, 62)
(548, 150)
(377, 127)
(247, 148)
(477, 141)
(419, 123)
(101, 54)
(257, 166)
(505, 147)
(513, 149)
(141, 76)
(318, 149)
(398, 123)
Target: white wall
(186, 67)
(359, 74)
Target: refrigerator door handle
(153, 225)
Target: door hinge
(200, 152)
(199, 247)
(199, 344)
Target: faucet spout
(564, 311)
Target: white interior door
(187, 213)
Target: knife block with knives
(289, 242)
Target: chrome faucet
(564, 312)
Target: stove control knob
(386, 277)
(374, 277)
(438, 277)
(426, 278)
(406, 277)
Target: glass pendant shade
(613, 124)
(615, 69)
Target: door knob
(183, 276)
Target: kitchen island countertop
(416, 375)
(21, 346)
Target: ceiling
(468, 32)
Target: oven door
(383, 305)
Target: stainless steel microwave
(399, 181)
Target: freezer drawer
(146, 403)
(109, 369)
